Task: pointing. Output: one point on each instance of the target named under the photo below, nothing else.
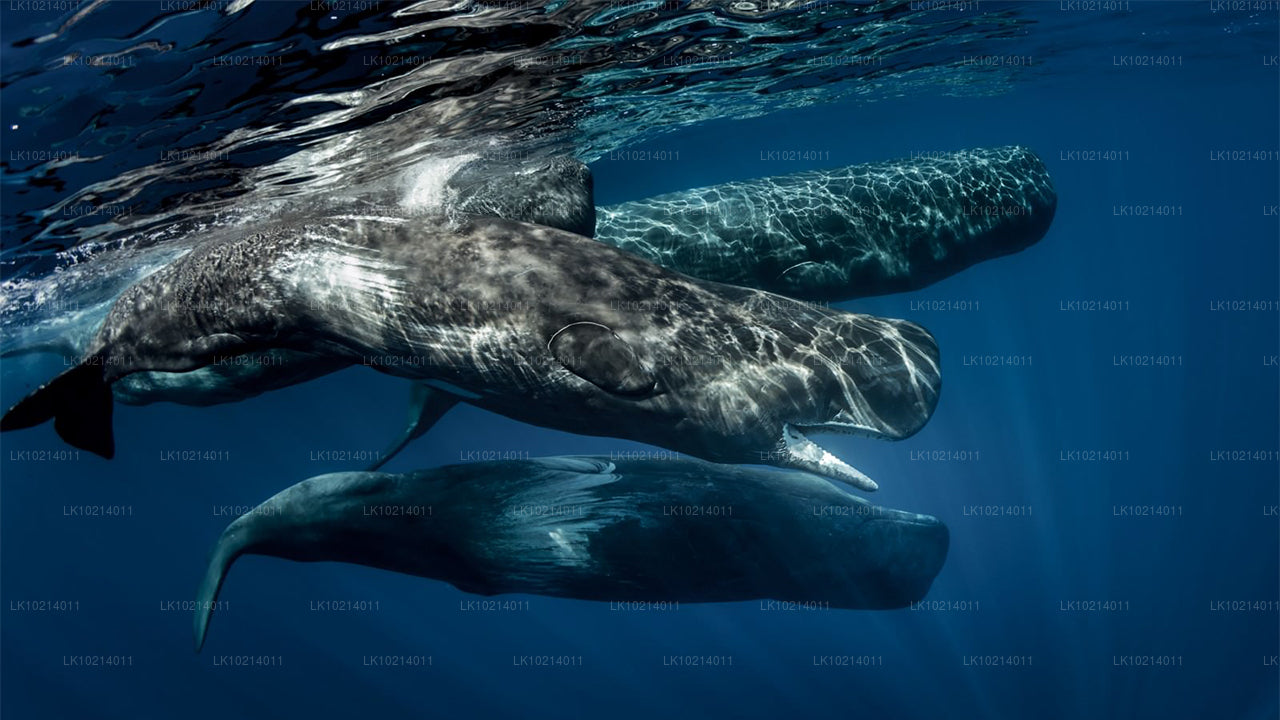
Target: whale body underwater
(537, 324)
(556, 194)
(560, 194)
(853, 232)
(641, 530)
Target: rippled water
(127, 117)
(133, 124)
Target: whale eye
(594, 353)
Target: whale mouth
(799, 452)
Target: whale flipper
(80, 403)
(594, 353)
(426, 406)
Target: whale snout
(903, 380)
(863, 375)
(900, 553)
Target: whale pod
(594, 529)
(852, 232)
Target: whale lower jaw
(799, 452)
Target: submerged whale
(534, 323)
(557, 194)
(852, 232)
(587, 528)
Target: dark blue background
(1019, 419)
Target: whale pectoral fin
(79, 402)
(594, 353)
(426, 406)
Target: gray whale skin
(534, 323)
(594, 529)
(851, 232)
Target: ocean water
(1104, 451)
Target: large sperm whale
(846, 233)
(592, 529)
(534, 323)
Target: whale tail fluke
(80, 403)
(230, 546)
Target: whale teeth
(802, 453)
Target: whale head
(843, 374)
(743, 376)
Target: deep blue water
(1010, 430)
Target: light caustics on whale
(913, 251)
(591, 529)
(534, 323)
(559, 194)
(852, 232)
